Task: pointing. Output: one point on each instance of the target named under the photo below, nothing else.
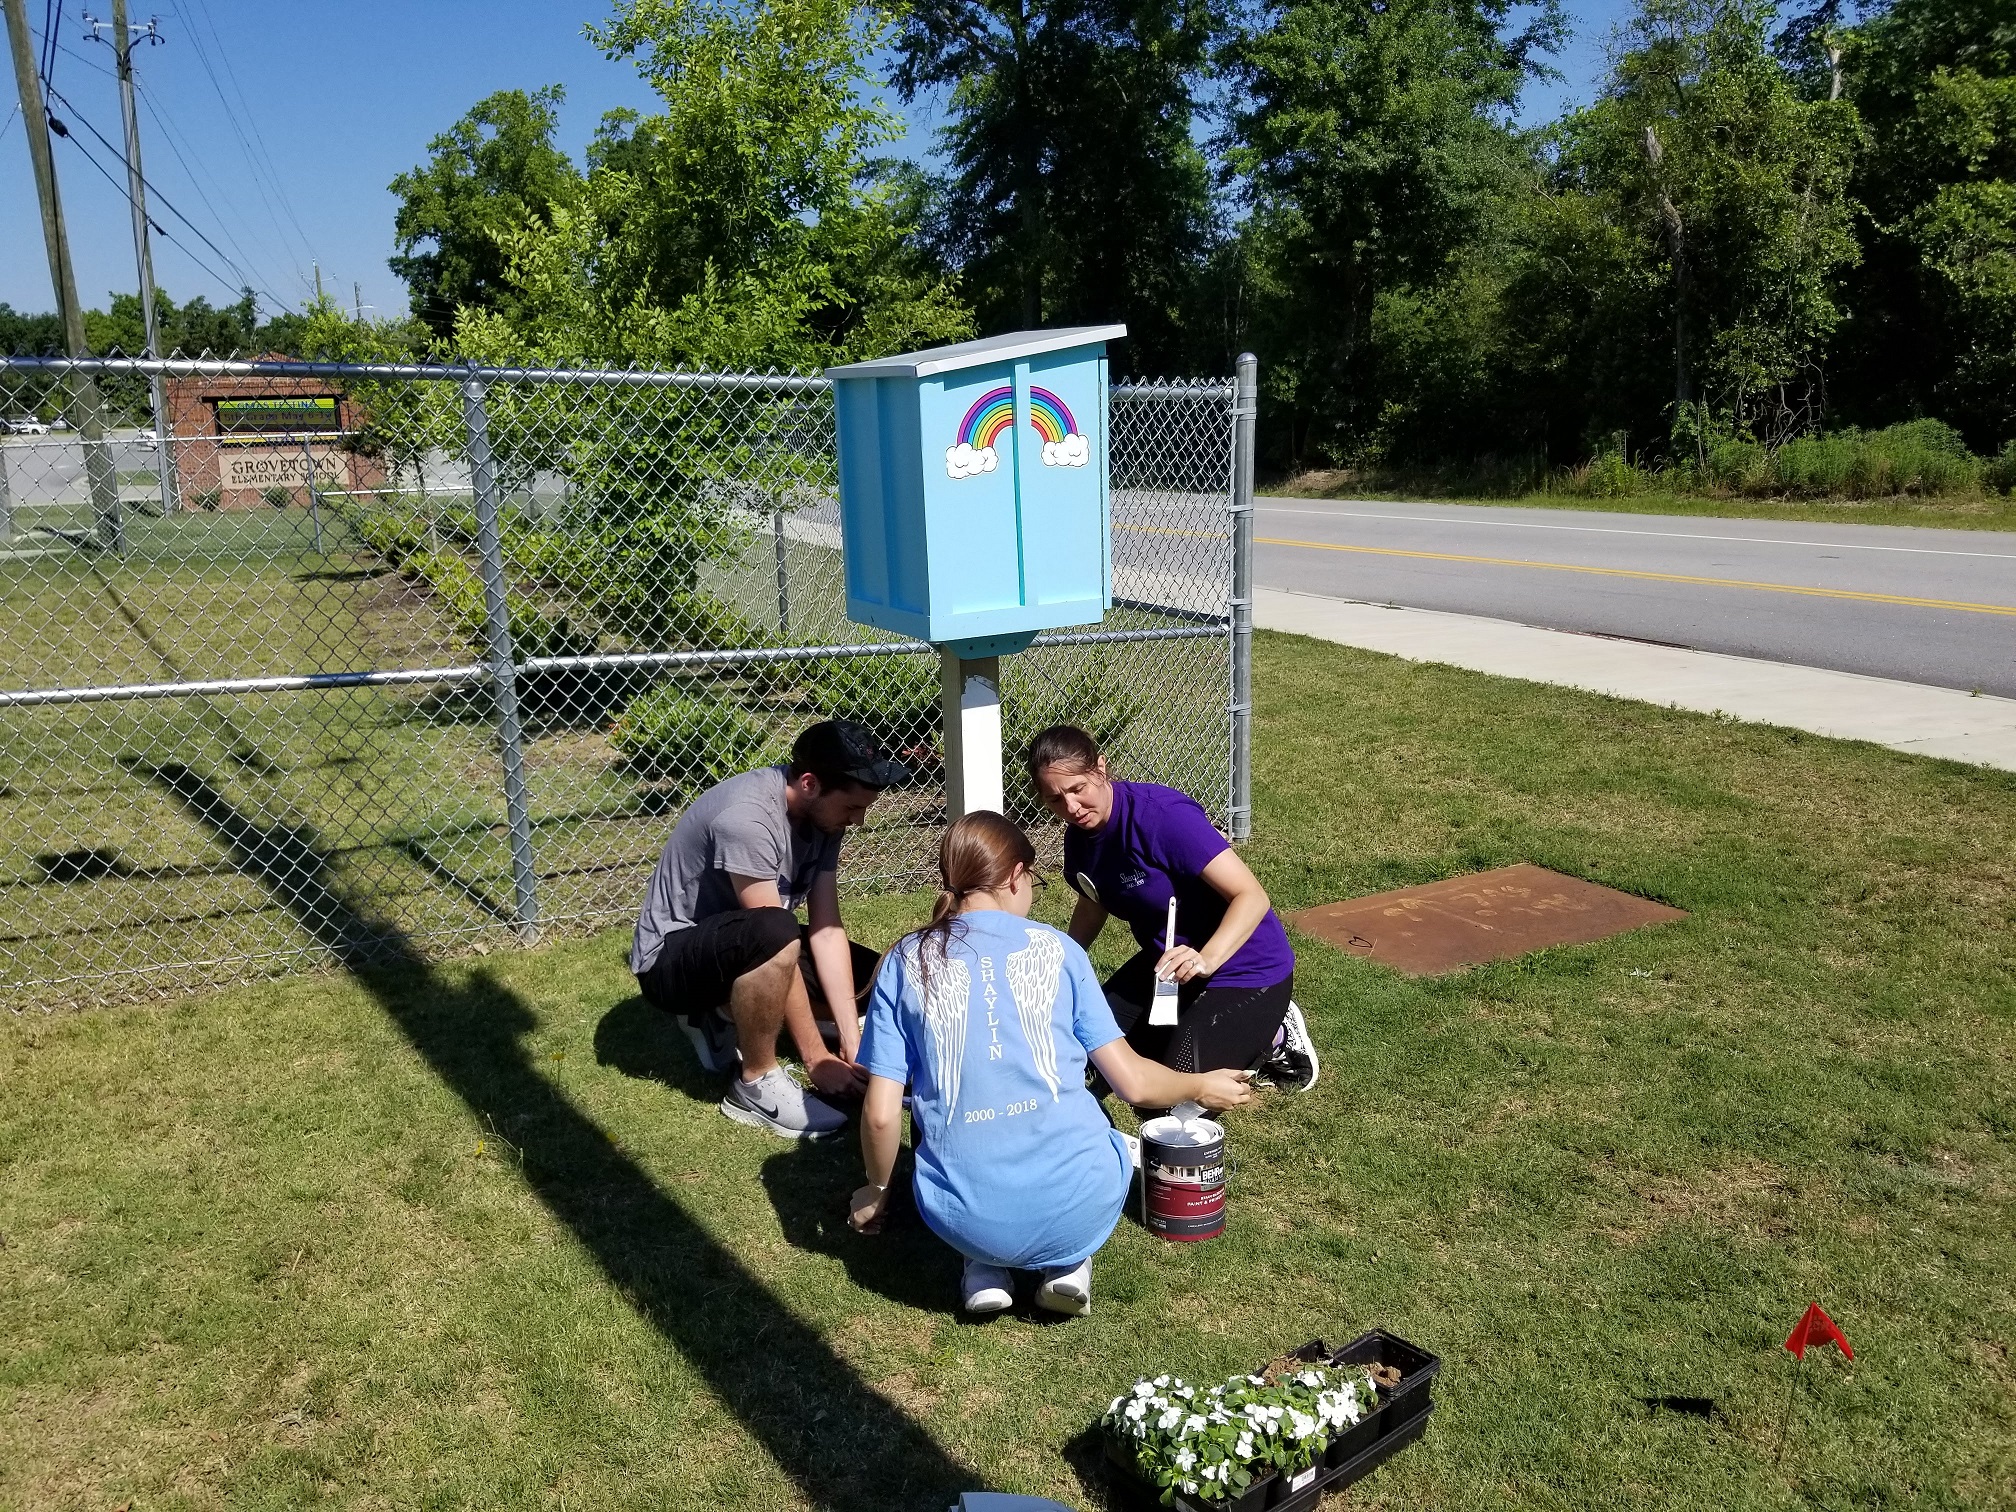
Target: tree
(743, 224)
(1076, 193)
(1371, 143)
(1935, 322)
(189, 330)
(1700, 208)
(29, 335)
(491, 172)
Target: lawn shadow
(844, 1444)
(809, 1185)
(640, 1041)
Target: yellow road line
(1654, 577)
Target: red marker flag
(1816, 1328)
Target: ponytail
(978, 854)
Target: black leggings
(1216, 1028)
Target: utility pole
(84, 407)
(318, 283)
(123, 38)
(357, 300)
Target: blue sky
(274, 128)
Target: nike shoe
(1292, 1063)
(713, 1040)
(775, 1102)
(985, 1288)
(1067, 1289)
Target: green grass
(476, 1236)
(1966, 512)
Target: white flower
(1244, 1448)
(1169, 1419)
(1189, 1487)
(1257, 1380)
(1143, 1389)
(1301, 1425)
(1185, 1458)
(1114, 1405)
(1136, 1410)
(1192, 1423)
(1162, 1380)
(1311, 1378)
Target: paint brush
(1162, 1011)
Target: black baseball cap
(836, 750)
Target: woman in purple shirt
(1130, 846)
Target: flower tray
(1400, 1418)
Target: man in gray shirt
(718, 941)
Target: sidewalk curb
(1925, 721)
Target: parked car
(22, 425)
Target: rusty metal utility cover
(1487, 916)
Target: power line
(111, 179)
(171, 134)
(243, 280)
(265, 178)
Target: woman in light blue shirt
(989, 1019)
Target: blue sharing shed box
(973, 488)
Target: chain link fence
(346, 662)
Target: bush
(1092, 697)
(395, 531)
(208, 498)
(2001, 473)
(1923, 457)
(1611, 476)
(668, 734)
(1738, 465)
(277, 496)
(459, 586)
(896, 697)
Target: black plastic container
(1398, 1406)
(1400, 1418)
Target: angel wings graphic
(945, 997)
(1033, 974)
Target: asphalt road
(1921, 605)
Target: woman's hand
(1225, 1089)
(1182, 963)
(866, 1207)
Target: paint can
(1183, 1178)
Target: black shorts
(1216, 1028)
(697, 967)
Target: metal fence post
(6, 504)
(783, 572)
(502, 655)
(1245, 408)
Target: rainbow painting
(992, 413)
(1050, 415)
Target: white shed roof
(965, 354)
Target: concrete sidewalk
(1925, 721)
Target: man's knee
(776, 939)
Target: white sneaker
(1293, 1063)
(1067, 1290)
(775, 1102)
(713, 1039)
(985, 1288)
